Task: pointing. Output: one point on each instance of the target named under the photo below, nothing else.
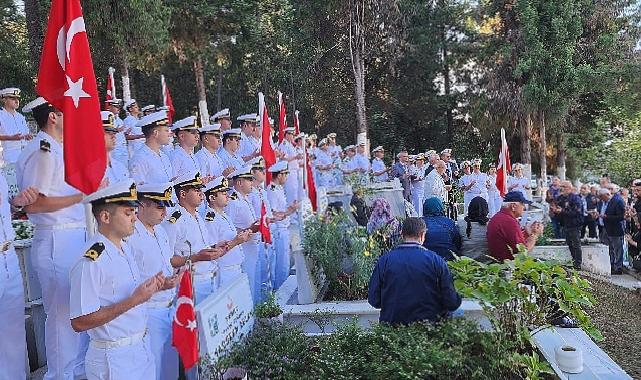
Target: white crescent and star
(191, 324)
(63, 49)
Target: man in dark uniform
(400, 170)
(411, 283)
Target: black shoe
(564, 323)
(576, 266)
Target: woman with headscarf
(442, 235)
(474, 230)
(382, 220)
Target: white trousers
(13, 340)
(159, 330)
(228, 274)
(494, 202)
(53, 253)
(283, 253)
(250, 267)
(133, 362)
(417, 199)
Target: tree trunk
(124, 69)
(200, 89)
(560, 156)
(34, 31)
(219, 89)
(359, 80)
(446, 84)
(543, 149)
(525, 125)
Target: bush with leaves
(525, 294)
(455, 349)
(268, 308)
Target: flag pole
(504, 160)
(190, 266)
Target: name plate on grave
(225, 318)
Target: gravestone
(225, 317)
(9, 171)
(310, 279)
(392, 191)
(596, 259)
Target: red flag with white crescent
(111, 87)
(296, 123)
(166, 99)
(503, 168)
(66, 80)
(184, 328)
(264, 227)
(266, 149)
(311, 186)
(282, 122)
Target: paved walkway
(625, 280)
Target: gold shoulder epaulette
(45, 146)
(175, 216)
(233, 196)
(272, 186)
(95, 251)
(210, 216)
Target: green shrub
(268, 308)
(455, 349)
(523, 294)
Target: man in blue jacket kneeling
(411, 283)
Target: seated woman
(474, 230)
(442, 235)
(383, 224)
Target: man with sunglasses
(183, 159)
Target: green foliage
(268, 308)
(455, 349)
(16, 67)
(525, 294)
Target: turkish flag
(66, 80)
(166, 99)
(264, 227)
(311, 186)
(111, 87)
(266, 149)
(296, 123)
(281, 118)
(503, 168)
(184, 329)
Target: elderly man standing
(504, 231)
(401, 171)
(411, 283)
(569, 209)
(611, 211)
(434, 183)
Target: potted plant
(268, 312)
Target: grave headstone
(9, 171)
(225, 318)
(310, 279)
(392, 191)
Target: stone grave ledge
(597, 365)
(596, 258)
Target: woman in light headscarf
(382, 220)
(442, 236)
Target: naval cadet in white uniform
(211, 165)
(150, 164)
(59, 220)
(133, 132)
(242, 214)
(379, 170)
(13, 345)
(292, 157)
(183, 159)
(188, 236)
(13, 126)
(115, 170)
(150, 247)
(108, 293)
(249, 144)
(229, 151)
(120, 152)
(223, 232)
(222, 117)
(282, 210)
